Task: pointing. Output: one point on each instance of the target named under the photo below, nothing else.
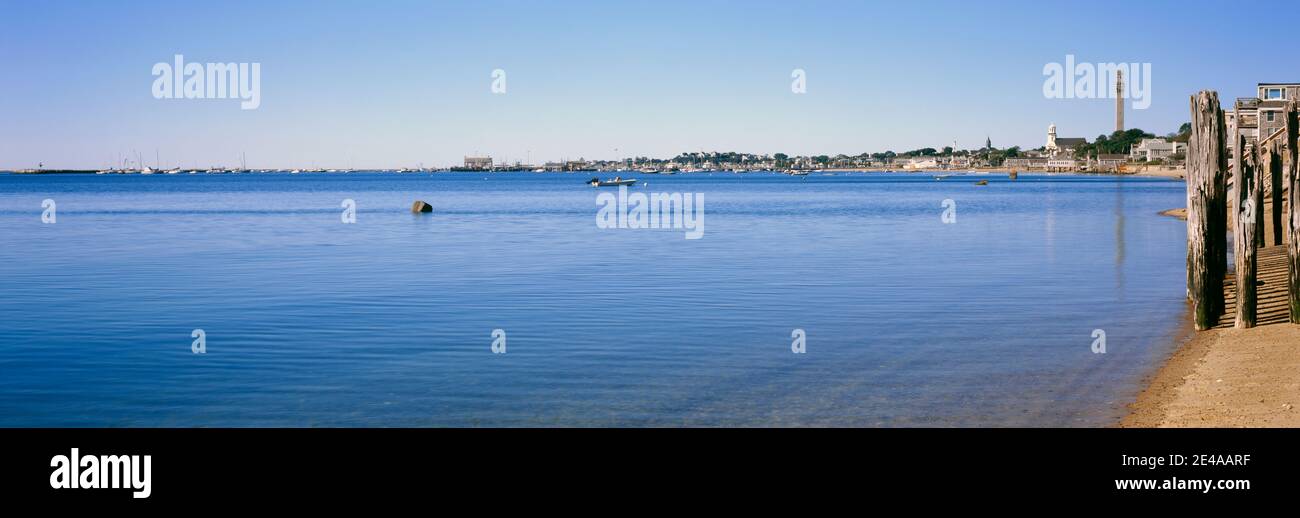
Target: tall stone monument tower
(1119, 100)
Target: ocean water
(909, 321)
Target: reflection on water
(387, 322)
(1119, 239)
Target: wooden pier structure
(1254, 198)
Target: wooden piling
(1273, 167)
(1207, 165)
(1292, 182)
(1246, 207)
(1257, 175)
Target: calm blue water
(387, 322)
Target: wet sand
(1226, 377)
(1178, 173)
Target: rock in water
(420, 206)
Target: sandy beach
(1226, 377)
(1178, 173)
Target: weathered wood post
(1207, 165)
(1273, 168)
(1258, 173)
(1245, 184)
(1292, 183)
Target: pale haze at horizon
(405, 83)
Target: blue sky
(393, 84)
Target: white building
(478, 162)
(922, 163)
(1155, 149)
(1063, 146)
(1062, 164)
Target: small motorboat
(617, 181)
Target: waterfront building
(924, 162)
(580, 164)
(1107, 162)
(1062, 164)
(1155, 149)
(1261, 116)
(478, 163)
(1025, 163)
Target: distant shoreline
(1161, 173)
(49, 171)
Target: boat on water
(617, 181)
(796, 172)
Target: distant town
(1124, 150)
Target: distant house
(1155, 149)
(1026, 163)
(1062, 164)
(1109, 162)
